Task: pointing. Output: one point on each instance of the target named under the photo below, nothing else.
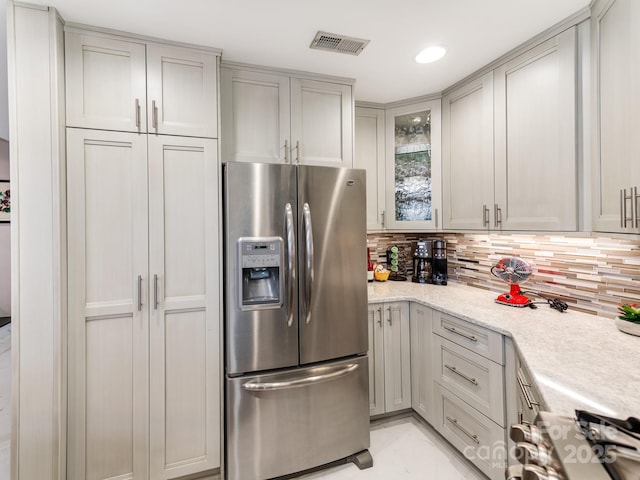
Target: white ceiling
(277, 33)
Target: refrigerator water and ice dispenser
(261, 280)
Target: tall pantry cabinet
(144, 306)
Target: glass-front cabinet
(413, 193)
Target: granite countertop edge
(579, 361)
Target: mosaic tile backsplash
(592, 274)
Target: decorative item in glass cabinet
(413, 167)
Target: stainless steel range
(588, 447)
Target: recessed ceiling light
(431, 54)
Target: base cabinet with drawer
(389, 357)
(468, 386)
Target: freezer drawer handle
(256, 386)
(308, 242)
(291, 261)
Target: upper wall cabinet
(467, 152)
(535, 138)
(615, 54)
(509, 144)
(413, 178)
(369, 154)
(113, 83)
(267, 117)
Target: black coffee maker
(422, 260)
(439, 267)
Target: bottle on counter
(369, 266)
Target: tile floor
(402, 448)
(405, 449)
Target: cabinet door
(321, 123)
(397, 356)
(535, 138)
(376, 359)
(182, 91)
(615, 33)
(255, 112)
(413, 178)
(422, 400)
(185, 306)
(369, 155)
(108, 311)
(467, 151)
(105, 83)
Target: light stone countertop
(580, 361)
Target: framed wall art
(5, 201)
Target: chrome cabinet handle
(382, 215)
(154, 113)
(139, 292)
(155, 291)
(138, 113)
(380, 316)
(497, 212)
(297, 151)
(633, 199)
(308, 241)
(523, 387)
(462, 334)
(257, 386)
(485, 216)
(472, 436)
(389, 319)
(635, 221)
(623, 208)
(436, 216)
(291, 261)
(466, 377)
(286, 151)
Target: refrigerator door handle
(309, 273)
(257, 386)
(291, 262)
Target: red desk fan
(515, 271)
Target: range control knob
(536, 472)
(528, 453)
(525, 433)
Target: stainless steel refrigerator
(296, 336)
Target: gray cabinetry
(615, 63)
(468, 373)
(390, 357)
(369, 154)
(274, 117)
(117, 83)
(413, 167)
(509, 144)
(422, 399)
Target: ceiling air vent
(338, 43)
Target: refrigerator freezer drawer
(285, 422)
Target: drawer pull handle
(466, 377)
(523, 387)
(465, 335)
(472, 436)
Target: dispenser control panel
(261, 272)
(261, 254)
